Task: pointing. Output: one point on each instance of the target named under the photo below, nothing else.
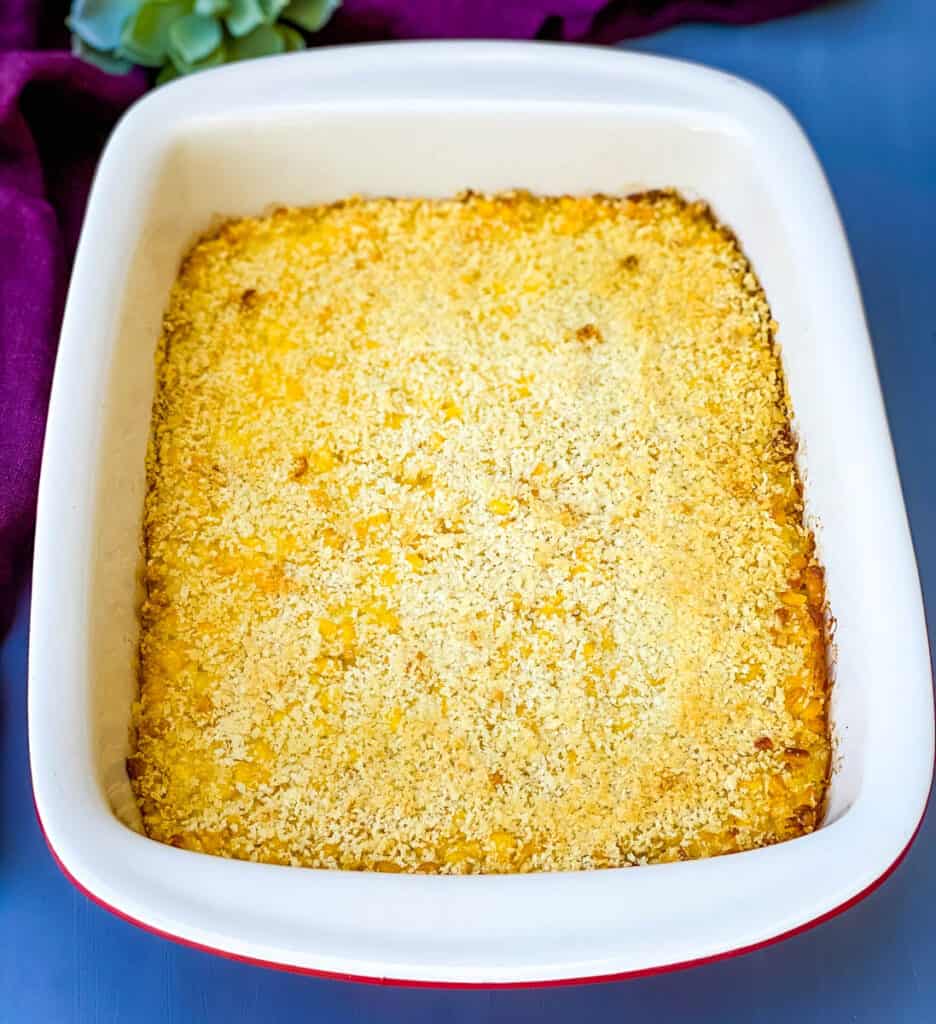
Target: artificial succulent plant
(181, 36)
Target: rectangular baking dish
(431, 120)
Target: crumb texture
(475, 543)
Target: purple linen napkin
(55, 113)
(572, 20)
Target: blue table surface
(861, 77)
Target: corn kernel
(294, 390)
(381, 615)
(227, 564)
(261, 750)
(526, 852)
(500, 506)
(332, 539)
(364, 527)
(504, 842)
(458, 852)
(245, 773)
(322, 461)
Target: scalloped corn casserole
(474, 542)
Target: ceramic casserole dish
(432, 120)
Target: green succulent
(181, 36)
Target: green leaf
(145, 37)
(192, 38)
(212, 6)
(243, 16)
(310, 14)
(264, 41)
(214, 59)
(292, 39)
(99, 22)
(272, 9)
(106, 62)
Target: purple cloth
(573, 20)
(56, 112)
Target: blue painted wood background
(861, 77)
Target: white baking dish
(432, 119)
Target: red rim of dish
(549, 983)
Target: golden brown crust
(475, 542)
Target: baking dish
(432, 119)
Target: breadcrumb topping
(474, 543)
